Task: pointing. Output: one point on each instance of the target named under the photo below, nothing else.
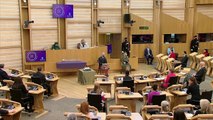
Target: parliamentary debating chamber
(106, 59)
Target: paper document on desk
(161, 78)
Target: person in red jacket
(205, 52)
(172, 55)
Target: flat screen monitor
(142, 39)
(62, 11)
(36, 56)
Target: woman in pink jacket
(166, 81)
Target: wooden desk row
(195, 60)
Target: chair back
(17, 95)
(95, 100)
(204, 76)
(117, 108)
(117, 117)
(36, 80)
(173, 80)
(157, 99)
(207, 95)
(129, 84)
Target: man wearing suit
(3, 75)
(194, 44)
(200, 75)
(126, 47)
(148, 55)
(42, 77)
(184, 60)
(102, 64)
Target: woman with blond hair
(205, 107)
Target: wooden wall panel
(205, 10)
(204, 1)
(174, 8)
(79, 27)
(109, 4)
(44, 30)
(142, 8)
(10, 35)
(43, 39)
(112, 22)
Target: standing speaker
(127, 18)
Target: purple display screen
(36, 56)
(62, 11)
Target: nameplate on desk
(161, 78)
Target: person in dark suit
(102, 64)
(128, 78)
(3, 75)
(184, 60)
(194, 90)
(18, 84)
(194, 44)
(126, 47)
(200, 75)
(148, 55)
(42, 77)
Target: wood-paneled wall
(79, 27)
(44, 30)
(10, 34)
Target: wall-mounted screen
(62, 11)
(35, 56)
(142, 39)
(174, 38)
(205, 37)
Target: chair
(129, 84)
(18, 96)
(173, 80)
(207, 95)
(117, 108)
(95, 100)
(157, 99)
(36, 80)
(203, 117)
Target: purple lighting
(62, 11)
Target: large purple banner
(62, 11)
(36, 56)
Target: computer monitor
(62, 11)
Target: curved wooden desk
(37, 94)
(199, 58)
(207, 60)
(211, 73)
(17, 73)
(53, 83)
(158, 67)
(15, 115)
(169, 63)
(192, 60)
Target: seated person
(125, 62)
(3, 75)
(55, 46)
(82, 45)
(204, 107)
(205, 52)
(179, 115)
(194, 90)
(166, 108)
(18, 84)
(102, 64)
(184, 60)
(166, 81)
(200, 75)
(5, 112)
(172, 54)
(97, 89)
(170, 48)
(152, 93)
(148, 55)
(128, 78)
(42, 77)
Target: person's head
(172, 50)
(195, 37)
(84, 108)
(1, 65)
(192, 81)
(103, 53)
(205, 51)
(39, 69)
(82, 41)
(96, 87)
(171, 70)
(179, 115)
(165, 106)
(155, 87)
(18, 80)
(56, 43)
(127, 73)
(202, 64)
(184, 52)
(205, 106)
(125, 39)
